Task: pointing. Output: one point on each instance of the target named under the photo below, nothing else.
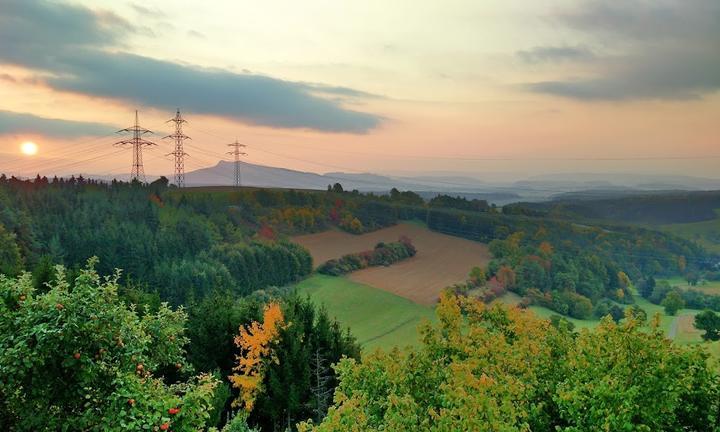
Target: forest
(637, 207)
(200, 327)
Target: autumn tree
(490, 368)
(506, 276)
(489, 371)
(605, 388)
(256, 344)
(300, 384)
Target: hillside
(648, 208)
(377, 318)
(441, 260)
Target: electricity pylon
(237, 153)
(178, 153)
(137, 142)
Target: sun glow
(29, 148)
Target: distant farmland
(441, 260)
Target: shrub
(710, 322)
(383, 254)
(77, 358)
(673, 302)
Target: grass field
(441, 260)
(679, 328)
(708, 287)
(706, 233)
(377, 318)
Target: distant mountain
(533, 189)
(254, 175)
(580, 181)
(264, 176)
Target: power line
(179, 137)
(237, 153)
(137, 142)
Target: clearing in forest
(375, 317)
(441, 260)
(707, 287)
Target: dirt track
(441, 260)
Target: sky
(480, 88)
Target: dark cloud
(254, 98)
(664, 50)
(642, 20)
(86, 60)
(35, 33)
(17, 123)
(543, 54)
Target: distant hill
(468, 185)
(607, 181)
(633, 207)
(265, 176)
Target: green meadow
(377, 318)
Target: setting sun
(29, 148)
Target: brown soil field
(441, 260)
(686, 328)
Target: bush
(384, 254)
(660, 291)
(77, 358)
(673, 302)
(710, 322)
(637, 313)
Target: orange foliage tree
(255, 343)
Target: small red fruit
(59, 306)
(131, 402)
(173, 411)
(164, 426)
(77, 356)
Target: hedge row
(383, 254)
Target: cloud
(196, 34)
(19, 123)
(662, 50)
(255, 99)
(542, 54)
(89, 59)
(146, 11)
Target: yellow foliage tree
(255, 343)
(546, 248)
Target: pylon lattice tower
(137, 142)
(179, 137)
(237, 153)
